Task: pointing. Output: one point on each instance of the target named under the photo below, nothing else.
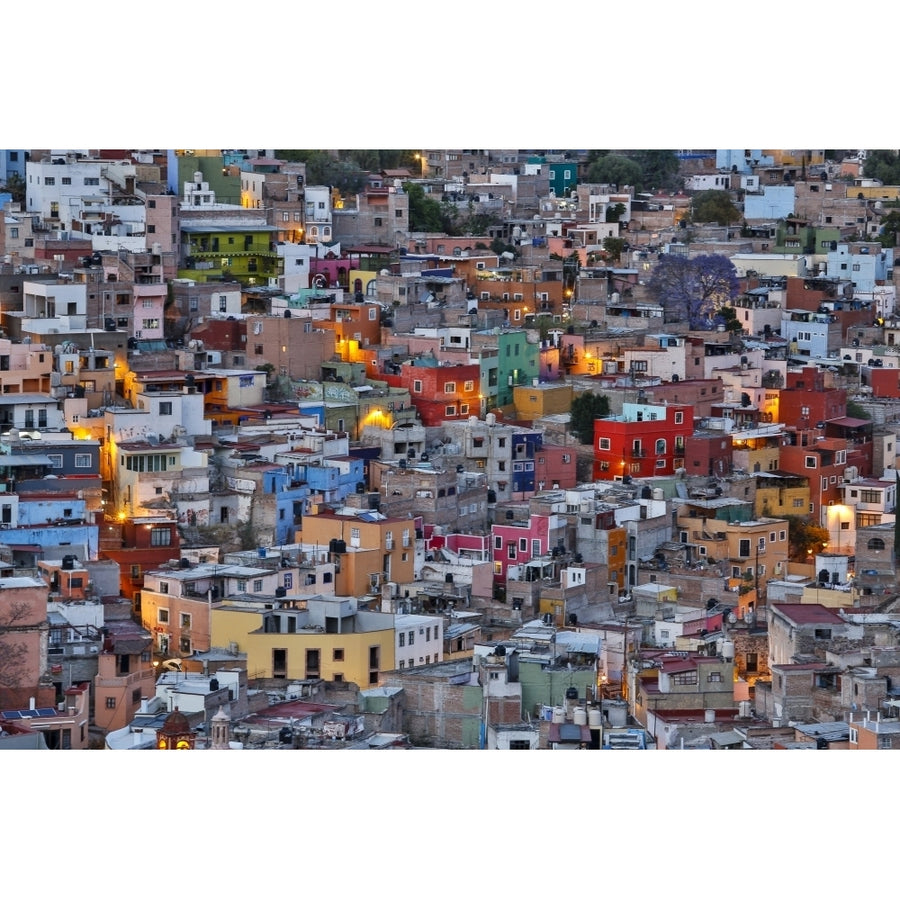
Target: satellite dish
(731, 618)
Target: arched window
(660, 447)
(876, 544)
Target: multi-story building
(24, 635)
(646, 440)
(822, 460)
(369, 549)
(176, 603)
(331, 638)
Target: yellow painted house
(330, 639)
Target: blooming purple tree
(693, 290)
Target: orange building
(368, 548)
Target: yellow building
(781, 494)
(757, 550)
(536, 400)
(331, 639)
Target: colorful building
(646, 440)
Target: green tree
(584, 410)
(804, 538)
(890, 227)
(425, 213)
(614, 247)
(15, 184)
(883, 165)
(659, 168)
(325, 167)
(615, 212)
(714, 206)
(730, 320)
(615, 169)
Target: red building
(885, 382)
(645, 440)
(440, 392)
(708, 453)
(822, 460)
(517, 544)
(806, 400)
(554, 467)
(146, 545)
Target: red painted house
(823, 461)
(517, 544)
(806, 400)
(440, 392)
(645, 440)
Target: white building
(419, 640)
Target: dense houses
(278, 470)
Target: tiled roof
(808, 614)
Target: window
(257, 585)
(160, 537)
(875, 544)
(660, 446)
(50, 181)
(417, 387)
(165, 408)
(162, 616)
(810, 462)
(450, 410)
(411, 638)
(604, 444)
(164, 589)
(679, 418)
(56, 460)
(449, 387)
(523, 545)
(714, 676)
(82, 460)
(401, 639)
(684, 678)
(337, 654)
(92, 182)
(185, 620)
(110, 702)
(744, 547)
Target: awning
(25, 459)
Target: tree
(728, 317)
(890, 227)
(883, 165)
(323, 167)
(714, 206)
(615, 212)
(425, 213)
(658, 167)
(13, 652)
(617, 170)
(15, 184)
(693, 290)
(584, 409)
(614, 247)
(804, 538)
